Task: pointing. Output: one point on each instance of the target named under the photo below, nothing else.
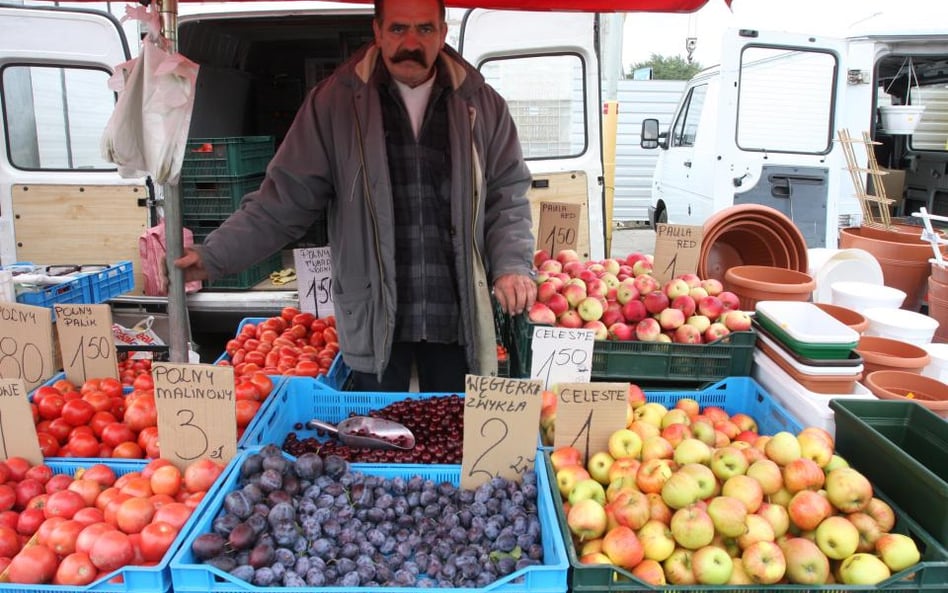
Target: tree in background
(668, 67)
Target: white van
(762, 128)
(61, 202)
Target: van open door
(60, 201)
(547, 68)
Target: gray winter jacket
(333, 158)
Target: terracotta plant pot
(905, 386)
(853, 319)
(938, 310)
(768, 283)
(880, 354)
(903, 257)
(940, 273)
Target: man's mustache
(415, 55)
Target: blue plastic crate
(299, 401)
(337, 378)
(70, 291)
(188, 574)
(114, 280)
(155, 578)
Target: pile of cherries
(436, 422)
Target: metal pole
(179, 324)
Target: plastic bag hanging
(148, 130)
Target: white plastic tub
(808, 407)
(900, 119)
(860, 296)
(938, 367)
(899, 324)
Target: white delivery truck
(762, 127)
(61, 202)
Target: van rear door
(546, 66)
(781, 97)
(60, 201)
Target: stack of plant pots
(938, 300)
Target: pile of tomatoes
(132, 368)
(97, 419)
(293, 343)
(66, 530)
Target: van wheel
(661, 217)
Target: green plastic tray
(903, 448)
(841, 350)
(230, 156)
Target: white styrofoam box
(808, 407)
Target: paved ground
(626, 241)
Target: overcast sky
(646, 34)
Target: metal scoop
(367, 432)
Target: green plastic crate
(214, 199)
(931, 574)
(249, 277)
(232, 156)
(903, 447)
(648, 362)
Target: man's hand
(192, 265)
(515, 293)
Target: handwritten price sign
(86, 341)
(17, 431)
(588, 413)
(314, 279)
(558, 227)
(677, 250)
(26, 344)
(501, 420)
(561, 355)
(196, 411)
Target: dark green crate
(903, 448)
(930, 574)
(233, 156)
(250, 277)
(649, 362)
(214, 199)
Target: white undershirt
(416, 101)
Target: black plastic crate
(232, 156)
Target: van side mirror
(649, 138)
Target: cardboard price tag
(561, 355)
(86, 342)
(17, 430)
(501, 423)
(559, 226)
(588, 413)
(677, 250)
(26, 344)
(314, 279)
(196, 412)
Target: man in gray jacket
(418, 164)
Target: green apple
(678, 570)
(806, 563)
(863, 569)
(848, 490)
(587, 519)
(707, 483)
(680, 490)
(728, 461)
(691, 527)
(897, 551)
(587, 489)
(728, 515)
(598, 466)
(691, 450)
(764, 562)
(657, 540)
(711, 565)
(625, 443)
(782, 448)
(837, 537)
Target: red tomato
(200, 475)
(175, 514)
(255, 357)
(89, 534)
(307, 368)
(247, 390)
(63, 503)
(128, 450)
(60, 429)
(263, 382)
(46, 528)
(100, 420)
(111, 387)
(41, 473)
(87, 489)
(289, 313)
(148, 440)
(246, 410)
(9, 542)
(29, 521)
(64, 385)
(112, 550)
(157, 538)
(43, 391)
(34, 565)
(88, 516)
(9, 519)
(7, 497)
(49, 446)
(134, 514)
(18, 466)
(304, 319)
(101, 473)
(62, 539)
(83, 444)
(26, 490)
(136, 486)
(117, 432)
(166, 480)
(99, 400)
(90, 385)
(77, 412)
(144, 382)
(75, 570)
(141, 413)
(58, 482)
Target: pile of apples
(620, 299)
(685, 497)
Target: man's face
(410, 38)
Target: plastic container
(806, 323)
(233, 156)
(848, 317)
(212, 200)
(900, 324)
(251, 276)
(880, 353)
(114, 280)
(928, 575)
(807, 407)
(914, 387)
(860, 296)
(937, 368)
(828, 266)
(901, 448)
(188, 574)
(853, 360)
(752, 284)
(900, 119)
(824, 379)
(825, 345)
(649, 363)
